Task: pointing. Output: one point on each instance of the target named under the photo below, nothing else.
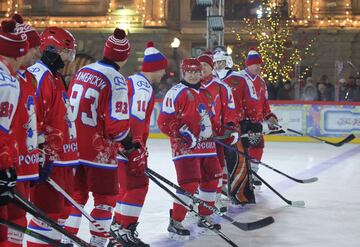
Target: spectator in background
(286, 91)
(356, 90)
(330, 89)
(309, 92)
(344, 90)
(272, 89)
(322, 95)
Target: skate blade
(178, 237)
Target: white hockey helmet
(223, 56)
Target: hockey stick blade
(291, 203)
(309, 180)
(348, 139)
(298, 180)
(299, 204)
(250, 225)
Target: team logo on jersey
(143, 84)
(34, 69)
(119, 81)
(71, 124)
(205, 123)
(7, 78)
(30, 126)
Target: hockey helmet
(56, 39)
(220, 55)
(191, 64)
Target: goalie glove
(254, 132)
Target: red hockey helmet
(57, 39)
(191, 64)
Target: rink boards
(328, 120)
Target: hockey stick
(292, 203)
(347, 139)
(303, 181)
(33, 234)
(243, 226)
(191, 209)
(37, 213)
(83, 212)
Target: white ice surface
(331, 217)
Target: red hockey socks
(129, 205)
(73, 222)
(207, 193)
(102, 213)
(179, 211)
(42, 228)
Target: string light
(308, 9)
(274, 37)
(9, 8)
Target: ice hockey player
(57, 131)
(185, 119)
(13, 47)
(134, 184)
(240, 188)
(99, 98)
(224, 119)
(25, 130)
(252, 90)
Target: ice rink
(331, 217)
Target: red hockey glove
(187, 137)
(272, 121)
(137, 160)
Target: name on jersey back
(91, 79)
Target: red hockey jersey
(54, 117)
(223, 106)
(142, 99)
(9, 98)
(100, 108)
(250, 94)
(25, 128)
(186, 105)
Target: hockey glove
(232, 137)
(7, 185)
(137, 160)
(187, 137)
(272, 121)
(253, 131)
